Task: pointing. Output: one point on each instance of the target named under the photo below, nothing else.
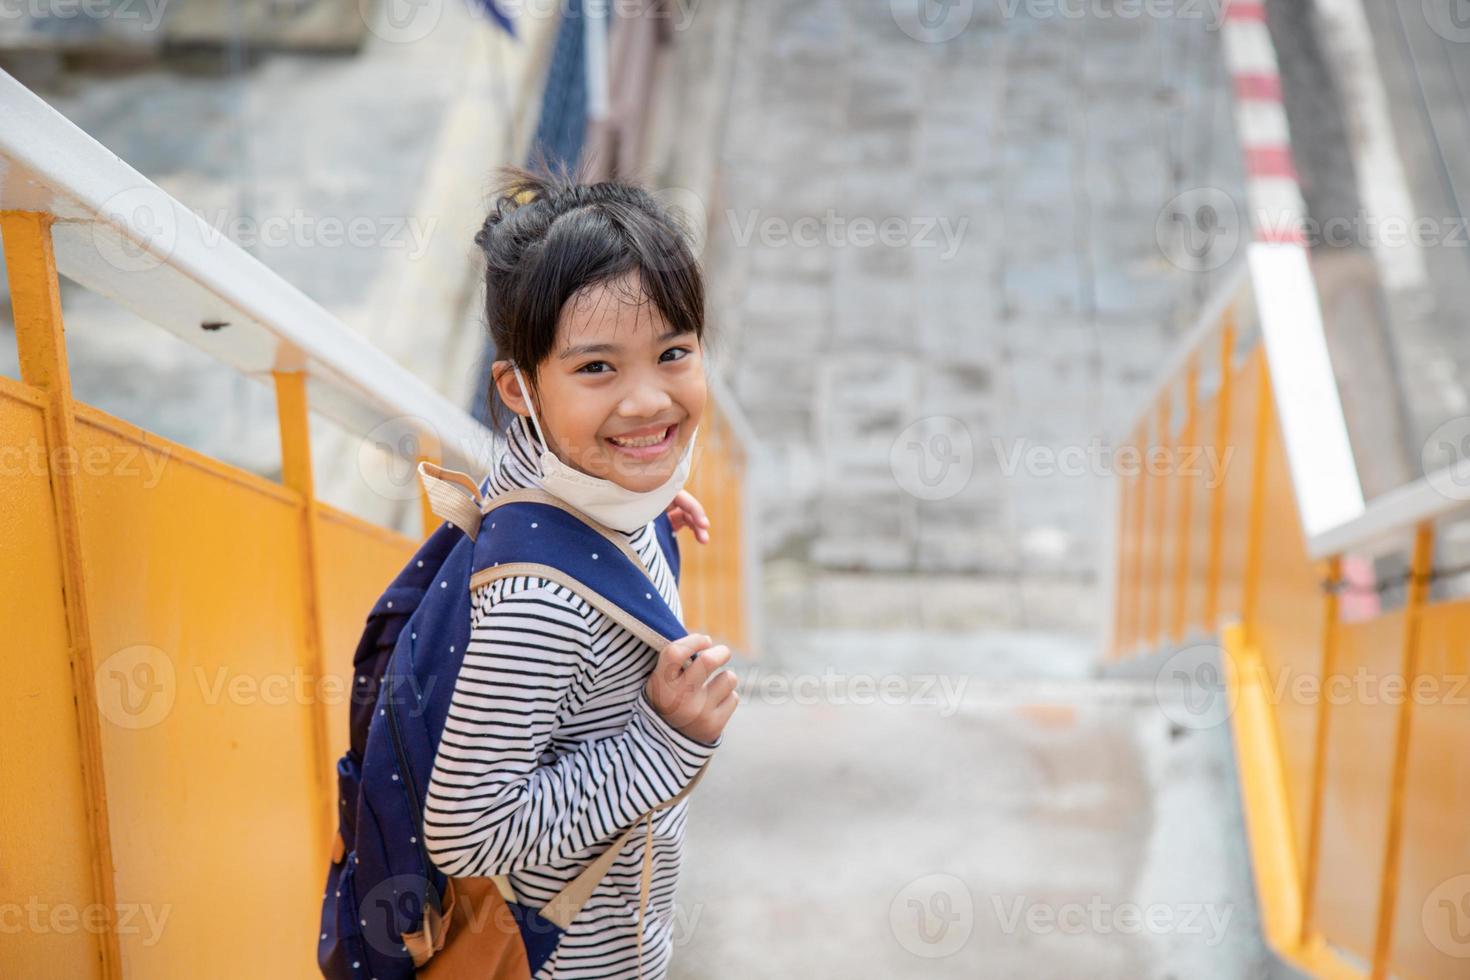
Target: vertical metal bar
(1124, 569)
(1161, 511)
(1418, 595)
(1330, 632)
(294, 422)
(1188, 437)
(1217, 496)
(1258, 461)
(1140, 537)
(35, 301)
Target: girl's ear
(510, 392)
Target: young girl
(565, 728)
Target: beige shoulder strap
(569, 901)
(453, 496)
(565, 907)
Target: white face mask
(603, 500)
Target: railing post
(1186, 486)
(1140, 538)
(1261, 430)
(1330, 633)
(1123, 567)
(35, 300)
(1420, 567)
(1154, 627)
(1217, 495)
(294, 422)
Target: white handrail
(1277, 281)
(120, 235)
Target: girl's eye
(594, 367)
(679, 352)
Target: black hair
(549, 237)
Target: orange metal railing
(1355, 797)
(178, 669)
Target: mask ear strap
(531, 405)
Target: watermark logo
(401, 21)
(932, 21)
(1098, 917)
(834, 230)
(1445, 457)
(1210, 11)
(1190, 687)
(388, 455)
(690, 215)
(136, 686)
(1199, 230)
(1445, 916)
(932, 916)
(144, 921)
(151, 217)
(945, 692)
(933, 458)
(1450, 19)
(1097, 459)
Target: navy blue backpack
(388, 912)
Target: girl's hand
(687, 511)
(680, 695)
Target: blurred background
(954, 249)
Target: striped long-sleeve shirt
(551, 749)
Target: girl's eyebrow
(582, 349)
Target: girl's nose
(644, 401)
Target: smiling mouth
(649, 446)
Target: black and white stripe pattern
(551, 749)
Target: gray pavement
(994, 813)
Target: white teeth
(642, 441)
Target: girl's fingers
(721, 686)
(674, 656)
(722, 711)
(708, 661)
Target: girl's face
(620, 394)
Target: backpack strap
(447, 491)
(656, 625)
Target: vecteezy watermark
(1191, 688)
(388, 455)
(1450, 19)
(150, 12)
(1210, 11)
(678, 13)
(1445, 456)
(943, 691)
(1445, 917)
(401, 21)
(153, 224)
(690, 214)
(833, 230)
(932, 916)
(1099, 917)
(34, 458)
(932, 21)
(139, 686)
(1099, 459)
(1202, 228)
(933, 458)
(38, 917)
(1199, 230)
